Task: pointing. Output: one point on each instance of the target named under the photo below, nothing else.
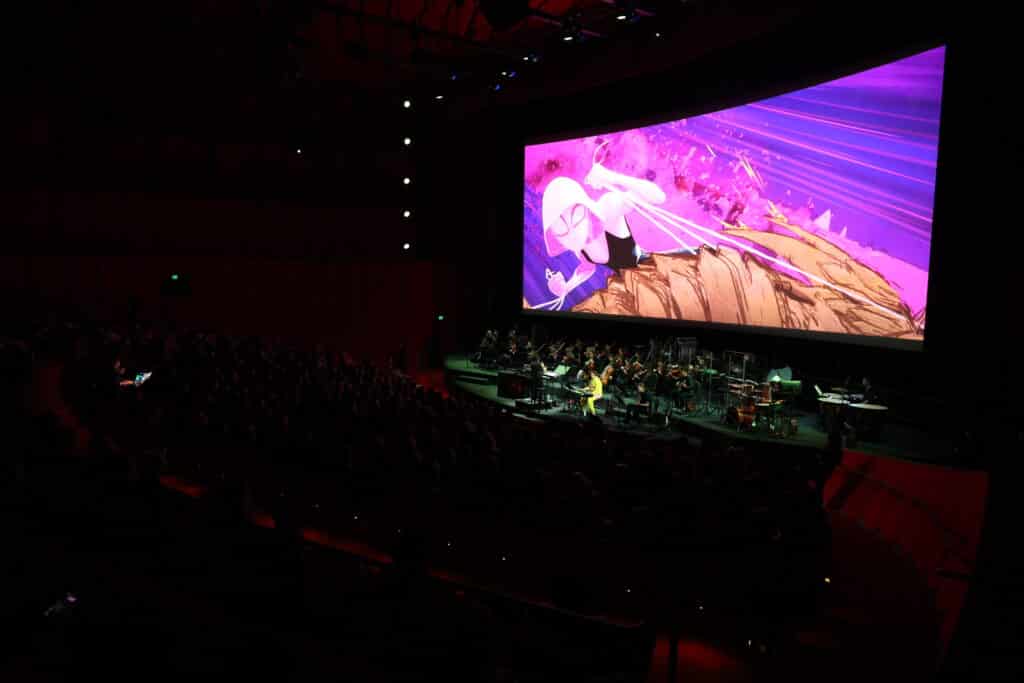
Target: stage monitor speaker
(504, 14)
(513, 385)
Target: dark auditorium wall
(104, 221)
(367, 308)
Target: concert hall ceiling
(245, 83)
(262, 54)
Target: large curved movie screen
(809, 211)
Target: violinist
(607, 374)
(554, 353)
(683, 391)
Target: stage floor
(898, 440)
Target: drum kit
(738, 400)
(759, 406)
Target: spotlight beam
(638, 10)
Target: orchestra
(637, 380)
(665, 378)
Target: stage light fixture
(438, 97)
(497, 87)
(526, 58)
(407, 141)
(828, 580)
(407, 103)
(175, 276)
(657, 34)
(440, 318)
(622, 17)
(406, 246)
(298, 150)
(406, 213)
(406, 180)
(355, 517)
(571, 29)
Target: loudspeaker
(513, 385)
(504, 14)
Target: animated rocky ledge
(726, 284)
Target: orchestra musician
(596, 391)
(607, 373)
(554, 353)
(537, 370)
(653, 380)
(488, 350)
(508, 358)
(870, 395)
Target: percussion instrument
(868, 419)
(767, 418)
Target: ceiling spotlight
(438, 97)
(571, 28)
(504, 73)
(298, 151)
(407, 104)
(622, 17)
(407, 141)
(406, 213)
(406, 246)
(406, 180)
(657, 34)
(526, 58)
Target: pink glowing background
(852, 160)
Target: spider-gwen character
(596, 231)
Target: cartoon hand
(556, 283)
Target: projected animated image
(809, 211)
